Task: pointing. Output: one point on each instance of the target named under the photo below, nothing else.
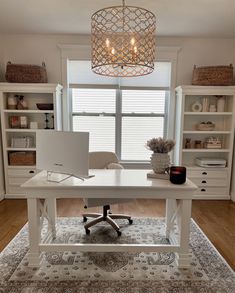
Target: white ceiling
(196, 18)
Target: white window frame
(119, 114)
(83, 52)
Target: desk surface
(117, 182)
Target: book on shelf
(213, 146)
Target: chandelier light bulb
(132, 41)
(107, 43)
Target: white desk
(109, 184)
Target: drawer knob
(31, 172)
(203, 181)
(204, 173)
(203, 189)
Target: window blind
(79, 72)
(120, 115)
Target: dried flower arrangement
(160, 145)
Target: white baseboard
(2, 196)
(212, 196)
(14, 196)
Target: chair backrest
(100, 160)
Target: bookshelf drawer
(209, 182)
(21, 172)
(211, 190)
(207, 173)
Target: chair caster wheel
(119, 233)
(130, 221)
(88, 232)
(84, 219)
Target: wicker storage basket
(22, 158)
(24, 73)
(213, 75)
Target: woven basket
(24, 73)
(22, 158)
(213, 75)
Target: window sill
(135, 165)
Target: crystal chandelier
(123, 41)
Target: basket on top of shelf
(213, 75)
(26, 73)
(22, 158)
(205, 126)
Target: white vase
(160, 162)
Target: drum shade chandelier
(123, 41)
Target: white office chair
(104, 160)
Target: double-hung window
(120, 115)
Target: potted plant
(160, 160)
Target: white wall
(34, 49)
(37, 48)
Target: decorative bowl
(205, 126)
(42, 106)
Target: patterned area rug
(114, 272)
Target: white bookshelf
(213, 183)
(15, 175)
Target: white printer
(211, 162)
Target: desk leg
(51, 209)
(183, 220)
(34, 231)
(170, 210)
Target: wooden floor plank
(215, 218)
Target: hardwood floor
(215, 218)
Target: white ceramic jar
(220, 104)
(11, 102)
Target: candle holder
(46, 121)
(177, 174)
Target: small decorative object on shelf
(11, 102)
(198, 144)
(212, 108)
(23, 122)
(205, 104)
(205, 126)
(43, 106)
(220, 103)
(47, 121)
(188, 143)
(14, 121)
(213, 143)
(160, 160)
(177, 174)
(52, 122)
(33, 125)
(21, 104)
(196, 107)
